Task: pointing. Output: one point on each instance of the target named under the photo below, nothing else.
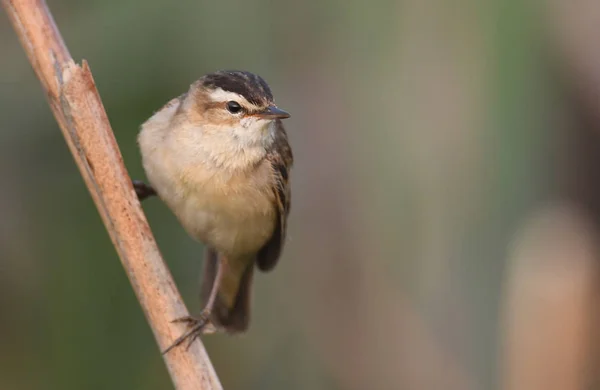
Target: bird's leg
(143, 190)
(197, 324)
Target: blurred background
(446, 196)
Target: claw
(191, 340)
(143, 190)
(187, 319)
(196, 325)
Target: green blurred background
(445, 196)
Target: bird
(218, 156)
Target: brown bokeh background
(446, 196)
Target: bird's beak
(273, 112)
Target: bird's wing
(281, 160)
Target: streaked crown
(249, 85)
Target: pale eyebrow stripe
(221, 95)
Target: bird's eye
(234, 107)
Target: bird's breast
(234, 213)
(221, 195)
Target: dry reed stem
(76, 104)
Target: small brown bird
(219, 157)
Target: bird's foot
(196, 326)
(143, 190)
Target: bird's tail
(231, 308)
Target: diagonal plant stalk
(76, 105)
